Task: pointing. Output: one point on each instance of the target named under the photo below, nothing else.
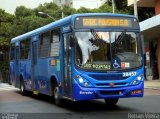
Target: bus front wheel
(57, 97)
(111, 102)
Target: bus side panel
(12, 72)
(54, 71)
(25, 72)
(28, 83)
(41, 80)
(45, 72)
(16, 66)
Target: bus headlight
(137, 80)
(83, 82)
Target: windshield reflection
(107, 50)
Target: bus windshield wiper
(97, 40)
(120, 37)
(95, 34)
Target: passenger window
(55, 42)
(12, 55)
(25, 49)
(44, 44)
(22, 49)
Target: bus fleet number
(126, 74)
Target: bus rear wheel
(111, 102)
(57, 97)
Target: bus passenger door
(17, 79)
(34, 70)
(67, 81)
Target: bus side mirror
(72, 41)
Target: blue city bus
(81, 57)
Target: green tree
(6, 21)
(50, 8)
(68, 10)
(84, 10)
(5, 17)
(22, 11)
(105, 8)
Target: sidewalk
(152, 84)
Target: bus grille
(116, 84)
(108, 77)
(112, 92)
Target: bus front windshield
(98, 50)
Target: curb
(153, 88)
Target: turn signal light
(76, 76)
(52, 62)
(136, 91)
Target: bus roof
(63, 21)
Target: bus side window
(44, 44)
(22, 49)
(55, 42)
(12, 50)
(27, 48)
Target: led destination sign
(103, 22)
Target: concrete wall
(142, 3)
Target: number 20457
(126, 74)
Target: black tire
(9, 81)
(111, 102)
(57, 98)
(22, 87)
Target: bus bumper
(82, 93)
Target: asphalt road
(37, 107)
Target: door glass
(67, 56)
(17, 53)
(67, 66)
(34, 52)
